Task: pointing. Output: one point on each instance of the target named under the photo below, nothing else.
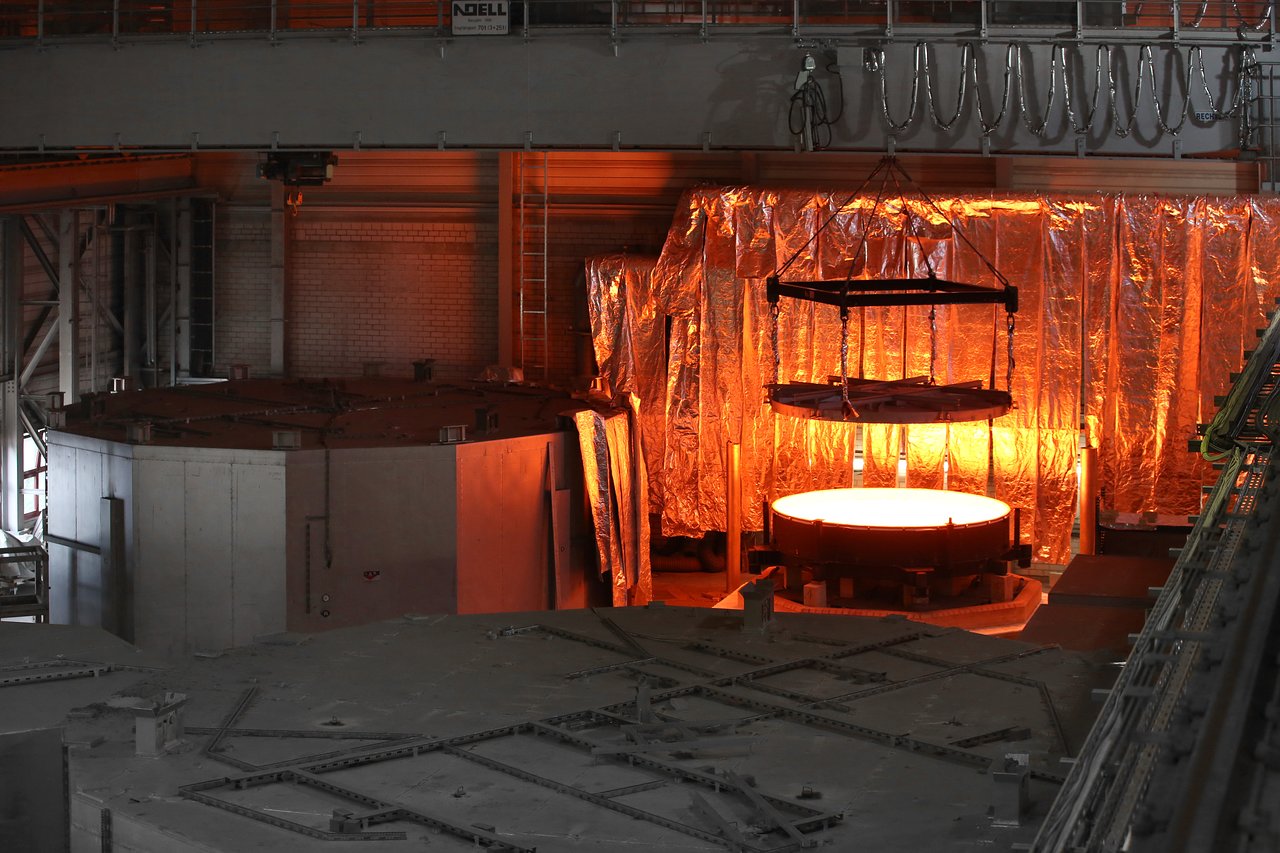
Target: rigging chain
(845, 405)
(933, 343)
(773, 332)
(1008, 374)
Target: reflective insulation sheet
(1133, 311)
(629, 334)
(615, 483)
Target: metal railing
(59, 20)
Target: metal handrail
(44, 20)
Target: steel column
(151, 254)
(279, 259)
(506, 242)
(69, 306)
(10, 425)
(182, 290)
(733, 516)
(130, 298)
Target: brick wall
(570, 239)
(391, 289)
(242, 286)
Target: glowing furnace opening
(892, 508)
(896, 549)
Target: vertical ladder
(1268, 130)
(534, 344)
(202, 286)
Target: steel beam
(50, 335)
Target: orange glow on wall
(891, 508)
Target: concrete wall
(208, 558)
(391, 513)
(128, 833)
(204, 542)
(225, 546)
(81, 473)
(33, 792)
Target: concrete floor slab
(524, 730)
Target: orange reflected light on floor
(891, 508)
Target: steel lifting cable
(774, 309)
(933, 344)
(883, 164)
(912, 230)
(955, 229)
(875, 206)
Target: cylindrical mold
(880, 532)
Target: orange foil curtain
(1133, 311)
